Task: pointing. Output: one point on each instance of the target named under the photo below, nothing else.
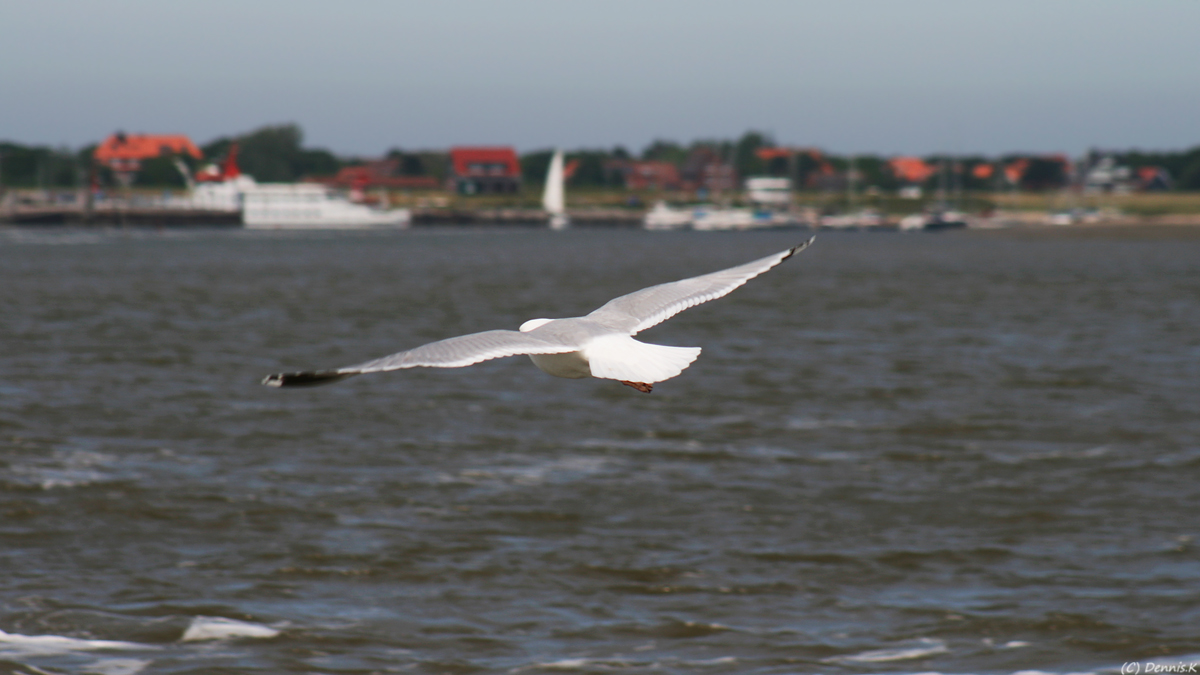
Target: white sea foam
(63, 469)
(813, 424)
(719, 661)
(13, 644)
(833, 456)
(916, 650)
(645, 445)
(564, 664)
(115, 667)
(558, 470)
(615, 664)
(579, 664)
(1050, 454)
(220, 628)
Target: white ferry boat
(311, 206)
(278, 206)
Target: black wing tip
(797, 248)
(305, 379)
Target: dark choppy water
(959, 453)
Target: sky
(853, 76)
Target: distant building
(382, 173)
(911, 170)
(807, 167)
(1015, 170)
(718, 177)
(779, 160)
(1104, 174)
(705, 169)
(1047, 172)
(650, 175)
(769, 190)
(1153, 179)
(484, 170)
(123, 153)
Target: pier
(38, 207)
(34, 207)
(106, 215)
(528, 217)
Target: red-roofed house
(911, 169)
(1153, 178)
(807, 166)
(484, 170)
(651, 176)
(384, 173)
(1015, 171)
(125, 152)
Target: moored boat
(277, 206)
(311, 206)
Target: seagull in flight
(598, 345)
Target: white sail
(553, 198)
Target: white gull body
(599, 345)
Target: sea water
(962, 452)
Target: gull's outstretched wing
(642, 309)
(454, 352)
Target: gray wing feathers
(464, 350)
(650, 306)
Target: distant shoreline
(622, 208)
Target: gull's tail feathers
(619, 357)
(309, 378)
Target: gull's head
(532, 324)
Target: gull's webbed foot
(640, 386)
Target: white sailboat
(554, 199)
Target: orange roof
(1149, 173)
(1015, 171)
(767, 154)
(983, 171)
(911, 169)
(570, 169)
(144, 146)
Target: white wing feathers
(464, 350)
(648, 307)
(454, 352)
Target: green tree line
(277, 153)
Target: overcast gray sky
(363, 76)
